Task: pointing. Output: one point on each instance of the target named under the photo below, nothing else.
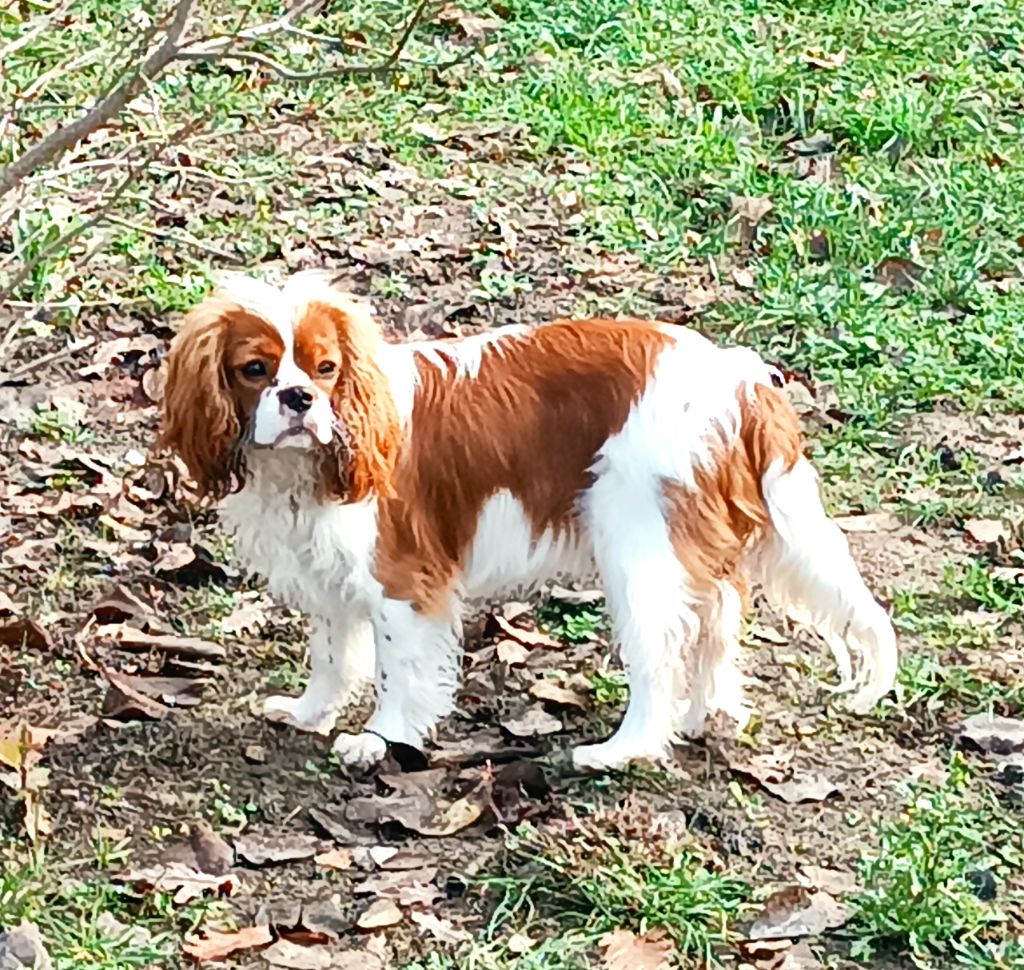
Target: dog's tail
(801, 559)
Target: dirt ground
(85, 519)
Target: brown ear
(200, 421)
(364, 460)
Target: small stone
(22, 949)
(255, 754)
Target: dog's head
(256, 366)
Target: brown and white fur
(382, 487)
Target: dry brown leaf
(123, 701)
(996, 737)
(471, 25)
(20, 632)
(898, 274)
(552, 693)
(214, 945)
(868, 522)
(442, 930)
(835, 882)
(535, 722)
(529, 638)
(338, 859)
(248, 616)
(794, 912)
(624, 950)
(119, 604)
(126, 637)
(21, 744)
(380, 914)
(987, 530)
(183, 881)
(260, 850)
(294, 956)
(511, 652)
(22, 947)
(824, 60)
(751, 208)
(808, 788)
(453, 818)
(388, 884)
(212, 854)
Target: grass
(567, 889)
(937, 884)
(90, 923)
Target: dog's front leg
(341, 661)
(418, 670)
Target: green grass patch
(937, 885)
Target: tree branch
(69, 135)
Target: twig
(184, 238)
(218, 48)
(65, 138)
(59, 242)
(39, 362)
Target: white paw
(298, 712)
(360, 750)
(609, 756)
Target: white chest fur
(315, 556)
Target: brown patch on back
(711, 526)
(364, 460)
(531, 422)
(208, 398)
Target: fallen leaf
(743, 278)
(189, 564)
(810, 788)
(338, 859)
(471, 25)
(529, 638)
(125, 637)
(898, 274)
(624, 950)
(535, 722)
(214, 945)
(868, 522)
(248, 616)
(751, 208)
(19, 632)
(21, 744)
(380, 914)
(551, 693)
(260, 850)
(452, 818)
(119, 604)
(512, 653)
(125, 702)
(826, 61)
(212, 854)
(835, 882)
(113, 929)
(477, 749)
(293, 956)
(388, 884)
(23, 947)
(997, 737)
(987, 531)
(794, 912)
(442, 930)
(184, 882)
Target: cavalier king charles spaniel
(384, 487)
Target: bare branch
(69, 135)
(219, 48)
(62, 240)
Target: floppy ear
(200, 421)
(364, 454)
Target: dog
(383, 487)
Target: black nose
(296, 398)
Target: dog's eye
(327, 367)
(254, 369)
